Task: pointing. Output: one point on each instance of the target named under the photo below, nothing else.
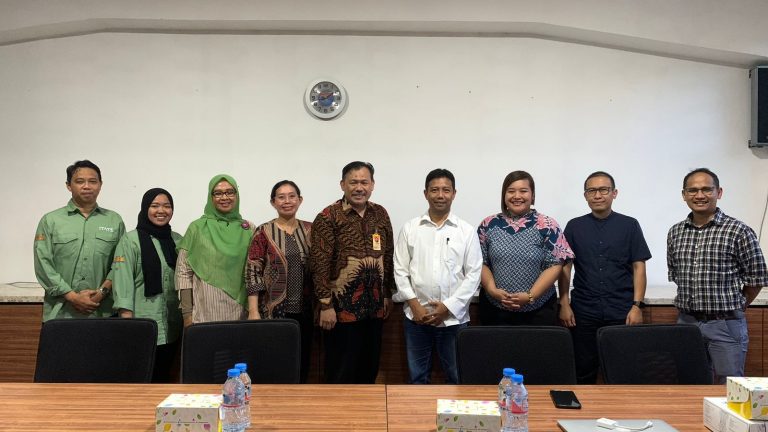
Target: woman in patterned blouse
(523, 254)
(277, 270)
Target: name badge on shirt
(376, 242)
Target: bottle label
(517, 409)
(518, 405)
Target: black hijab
(150, 262)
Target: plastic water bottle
(506, 380)
(246, 379)
(233, 403)
(517, 406)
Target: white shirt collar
(452, 219)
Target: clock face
(325, 99)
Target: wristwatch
(639, 303)
(326, 304)
(105, 292)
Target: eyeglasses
(220, 194)
(708, 191)
(593, 191)
(291, 197)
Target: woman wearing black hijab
(143, 284)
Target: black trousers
(492, 315)
(585, 346)
(352, 352)
(307, 326)
(166, 357)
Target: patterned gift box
(181, 412)
(748, 397)
(467, 416)
(718, 418)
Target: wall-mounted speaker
(759, 135)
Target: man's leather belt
(714, 316)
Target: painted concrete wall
(171, 110)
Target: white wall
(172, 110)
(735, 27)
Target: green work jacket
(128, 288)
(73, 253)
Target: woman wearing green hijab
(209, 269)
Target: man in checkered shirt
(718, 267)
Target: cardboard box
(748, 397)
(468, 416)
(188, 413)
(719, 418)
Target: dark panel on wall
(759, 136)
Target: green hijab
(217, 245)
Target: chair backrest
(271, 348)
(96, 350)
(543, 354)
(653, 354)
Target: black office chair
(653, 354)
(271, 348)
(542, 354)
(96, 350)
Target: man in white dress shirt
(437, 271)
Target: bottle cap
(242, 366)
(508, 372)
(517, 378)
(233, 373)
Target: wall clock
(325, 99)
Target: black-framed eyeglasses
(593, 191)
(708, 191)
(228, 193)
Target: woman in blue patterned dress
(523, 254)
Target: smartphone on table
(565, 399)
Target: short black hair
(511, 178)
(440, 173)
(356, 165)
(703, 171)
(600, 174)
(85, 163)
(280, 184)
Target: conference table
(312, 407)
(131, 407)
(413, 408)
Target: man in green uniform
(74, 247)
